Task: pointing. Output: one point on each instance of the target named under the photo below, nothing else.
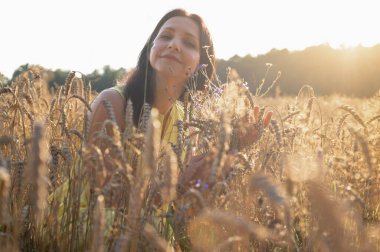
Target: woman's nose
(174, 45)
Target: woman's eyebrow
(187, 33)
(191, 35)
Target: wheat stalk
(68, 82)
(157, 241)
(365, 148)
(277, 132)
(222, 148)
(99, 220)
(143, 173)
(37, 172)
(377, 117)
(354, 114)
(4, 194)
(340, 124)
(129, 125)
(80, 98)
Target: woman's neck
(166, 93)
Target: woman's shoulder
(115, 99)
(119, 89)
(113, 95)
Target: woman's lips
(170, 57)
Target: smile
(169, 57)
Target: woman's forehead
(182, 24)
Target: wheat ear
(355, 115)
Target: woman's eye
(190, 44)
(165, 37)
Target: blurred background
(332, 46)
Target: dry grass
(311, 182)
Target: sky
(84, 35)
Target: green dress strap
(119, 89)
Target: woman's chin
(170, 71)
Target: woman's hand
(196, 171)
(249, 132)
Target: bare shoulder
(99, 112)
(112, 96)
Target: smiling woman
(179, 43)
(177, 46)
(170, 57)
(168, 62)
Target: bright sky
(85, 35)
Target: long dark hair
(140, 84)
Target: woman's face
(175, 52)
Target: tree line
(348, 71)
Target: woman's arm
(99, 112)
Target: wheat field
(310, 183)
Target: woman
(172, 53)
(178, 45)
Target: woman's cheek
(195, 61)
(154, 52)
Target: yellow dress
(170, 130)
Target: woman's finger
(256, 112)
(267, 118)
